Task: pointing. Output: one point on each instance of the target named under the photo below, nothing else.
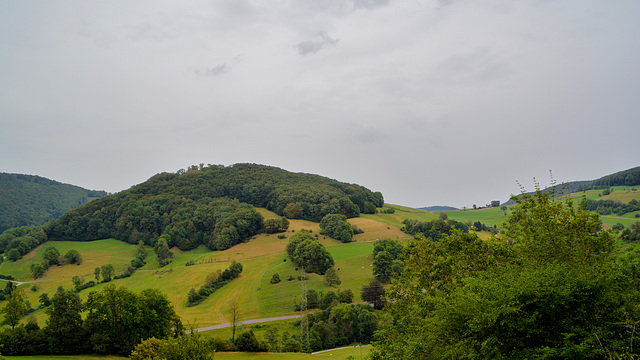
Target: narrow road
(246, 322)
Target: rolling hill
(28, 200)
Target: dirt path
(246, 322)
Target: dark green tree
(374, 294)
(336, 226)
(306, 252)
(107, 272)
(331, 277)
(13, 255)
(15, 308)
(64, 326)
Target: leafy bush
(275, 279)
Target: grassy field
(261, 257)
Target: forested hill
(29, 200)
(211, 205)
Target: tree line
(116, 320)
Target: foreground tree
(118, 319)
(15, 308)
(64, 328)
(552, 289)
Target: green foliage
(387, 259)
(341, 325)
(107, 272)
(374, 294)
(37, 270)
(273, 226)
(247, 341)
(214, 281)
(331, 277)
(13, 255)
(554, 290)
(51, 256)
(211, 205)
(275, 279)
(631, 234)
(336, 226)
(72, 257)
(64, 327)
(186, 347)
(164, 255)
(306, 252)
(15, 308)
(23, 239)
(27, 200)
(434, 229)
(119, 318)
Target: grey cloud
(369, 4)
(478, 65)
(313, 46)
(214, 71)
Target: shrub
(275, 279)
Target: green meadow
(261, 257)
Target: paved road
(246, 322)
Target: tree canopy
(28, 200)
(306, 252)
(211, 205)
(552, 287)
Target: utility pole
(304, 323)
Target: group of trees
(555, 287)
(273, 226)
(632, 233)
(214, 281)
(51, 256)
(116, 320)
(212, 206)
(340, 325)
(387, 259)
(17, 242)
(434, 229)
(217, 223)
(322, 300)
(306, 252)
(608, 207)
(336, 227)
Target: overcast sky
(445, 102)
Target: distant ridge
(439, 208)
(30, 200)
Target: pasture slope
(261, 257)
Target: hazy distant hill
(438, 208)
(629, 177)
(211, 205)
(27, 200)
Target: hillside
(212, 206)
(630, 177)
(28, 200)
